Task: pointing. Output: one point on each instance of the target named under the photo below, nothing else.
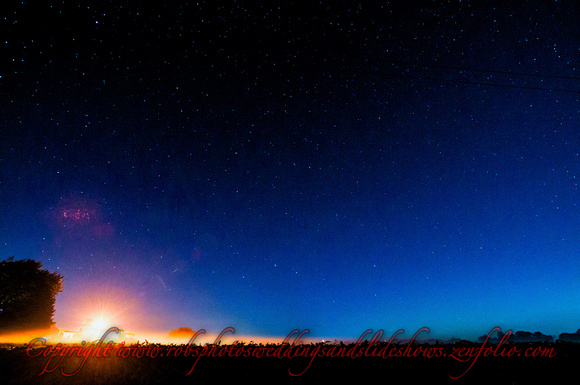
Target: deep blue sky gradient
(323, 166)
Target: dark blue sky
(336, 167)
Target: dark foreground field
(19, 367)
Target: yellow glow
(98, 306)
(96, 327)
(88, 312)
(100, 323)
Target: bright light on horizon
(99, 306)
(95, 328)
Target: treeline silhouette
(22, 366)
(524, 336)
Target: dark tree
(27, 295)
(521, 336)
(570, 337)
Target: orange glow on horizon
(55, 335)
(25, 337)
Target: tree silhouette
(27, 295)
(570, 337)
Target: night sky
(326, 165)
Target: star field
(335, 167)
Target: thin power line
(374, 73)
(490, 71)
